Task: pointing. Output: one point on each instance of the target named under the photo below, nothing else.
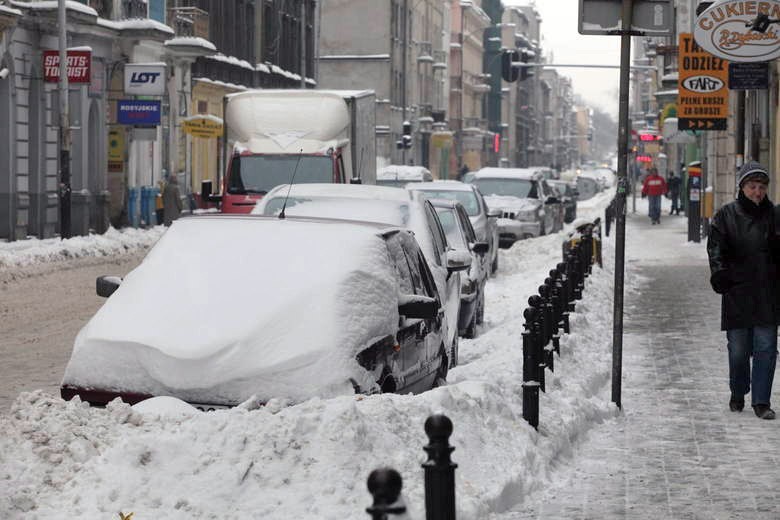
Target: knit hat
(752, 169)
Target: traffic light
(590, 134)
(406, 138)
(508, 72)
(526, 56)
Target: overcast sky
(560, 37)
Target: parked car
(397, 175)
(587, 186)
(224, 308)
(392, 206)
(547, 172)
(482, 219)
(461, 236)
(567, 193)
(528, 205)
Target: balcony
(134, 9)
(189, 21)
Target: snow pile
(311, 460)
(113, 242)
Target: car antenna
(286, 197)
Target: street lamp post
(64, 191)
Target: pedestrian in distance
(673, 183)
(743, 253)
(172, 204)
(654, 187)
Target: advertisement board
(79, 66)
(137, 112)
(729, 30)
(145, 79)
(703, 94)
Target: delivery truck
(294, 136)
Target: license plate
(209, 407)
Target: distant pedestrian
(462, 172)
(172, 204)
(654, 187)
(742, 249)
(673, 184)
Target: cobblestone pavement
(676, 452)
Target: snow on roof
(262, 67)
(137, 24)
(210, 117)
(232, 60)
(8, 10)
(402, 172)
(272, 324)
(221, 83)
(505, 173)
(438, 185)
(191, 41)
(54, 4)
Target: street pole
(620, 202)
(405, 43)
(64, 124)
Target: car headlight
(526, 215)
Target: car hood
(505, 203)
(220, 325)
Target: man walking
(172, 204)
(742, 249)
(674, 193)
(654, 188)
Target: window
(157, 10)
(439, 242)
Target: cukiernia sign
(729, 30)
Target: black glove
(644, 194)
(721, 282)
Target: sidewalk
(676, 452)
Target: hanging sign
(703, 98)
(79, 65)
(749, 76)
(728, 30)
(202, 126)
(650, 17)
(136, 112)
(145, 79)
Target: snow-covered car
(461, 236)
(225, 309)
(587, 186)
(392, 206)
(567, 192)
(398, 175)
(529, 207)
(482, 218)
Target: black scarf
(753, 209)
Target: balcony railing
(135, 9)
(189, 21)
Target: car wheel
(542, 231)
(481, 308)
(454, 352)
(494, 265)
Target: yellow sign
(703, 98)
(202, 127)
(116, 144)
(441, 139)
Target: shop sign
(202, 126)
(441, 140)
(145, 79)
(724, 30)
(79, 65)
(702, 101)
(749, 76)
(137, 112)
(116, 144)
(649, 17)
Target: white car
(393, 206)
(482, 218)
(227, 308)
(398, 175)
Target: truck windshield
(260, 173)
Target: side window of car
(466, 226)
(426, 276)
(418, 267)
(401, 264)
(440, 242)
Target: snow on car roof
(402, 172)
(504, 173)
(450, 185)
(223, 309)
(357, 191)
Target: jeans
(761, 342)
(675, 206)
(654, 202)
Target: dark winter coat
(674, 186)
(172, 204)
(742, 248)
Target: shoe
(736, 403)
(763, 411)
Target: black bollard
(563, 297)
(384, 484)
(535, 302)
(530, 365)
(439, 470)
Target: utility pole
(64, 124)
(303, 45)
(620, 201)
(405, 46)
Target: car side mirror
(418, 307)
(494, 213)
(106, 285)
(480, 247)
(458, 260)
(206, 194)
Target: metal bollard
(384, 484)
(563, 296)
(530, 367)
(439, 470)
(544, 291)
(535, 302)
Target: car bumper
(510, 231)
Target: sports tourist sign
(724, 30)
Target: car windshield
(467, 198)
(449, 222)
(521, 188)
(260, 173)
